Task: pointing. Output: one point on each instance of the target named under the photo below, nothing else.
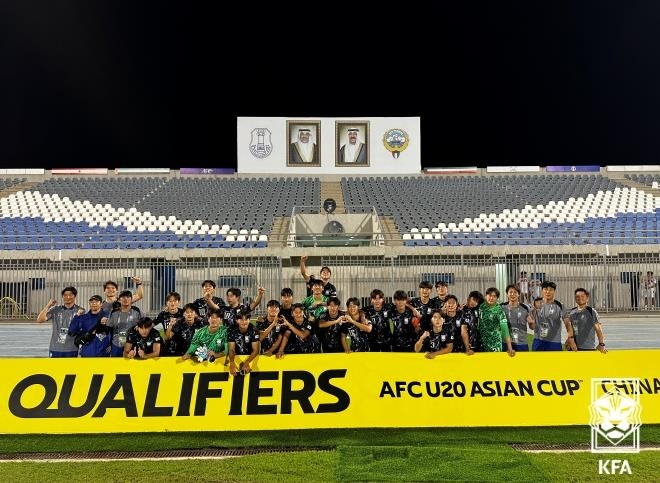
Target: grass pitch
(423, 454)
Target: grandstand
(175, 230)
(160, 212)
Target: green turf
(421, 454)
(303, 467)
(328, 438)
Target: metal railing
(615, 281)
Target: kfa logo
(260, 145)
(614, 467)
(615, 415)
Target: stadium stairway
(639, 186)
(25, 186)
(390, 231)
(333, 190)
(280, 231)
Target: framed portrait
(352, 143)
(304, 143)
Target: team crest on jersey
(395, 141)
(260, 144)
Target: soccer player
(243, 340)
(424, 305)
(300, 337)
(271, 328)
(328, 289)
(454, 317)
(234, 305)
(61, 343)
(470, 322)
(404, 334)
(355, 326)
(442, 290)
(439, 340)
(172, 311)
(586, 324)
(110, 289)
(516, 315)
(329, 326)
(380, 337)
(286, 303)
(316, 303)
(208, 300)
(212, 338)
(143, 341)
(493, 326)
(180, 332)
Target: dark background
(145, 84)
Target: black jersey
(296, 345)
(164, 318)
(425, 310)
(134, 338)
(437, 303)
(470, 318)
(403, 335)
(359, 339)
(229, 313)
(242, 340)
(273, 335)
(381, 332)
(182, 335)
(329, 336)
(439, 340)
(329, 290)
(456, 323)
(203, 308)
(286, 313)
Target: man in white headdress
(353, 152)
(304, 150)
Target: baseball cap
(125, 293)
(96, 297)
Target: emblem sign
(396, 141)
(260, 143)
(615, 415)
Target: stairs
(279, 231)
(634, 184)
(390, 231)
(26, 186)
(333, 190)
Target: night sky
(144, 84)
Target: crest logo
(395, 141)
(260, 144)
(615, 415)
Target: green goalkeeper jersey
(493, 327)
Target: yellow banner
(316, 391)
